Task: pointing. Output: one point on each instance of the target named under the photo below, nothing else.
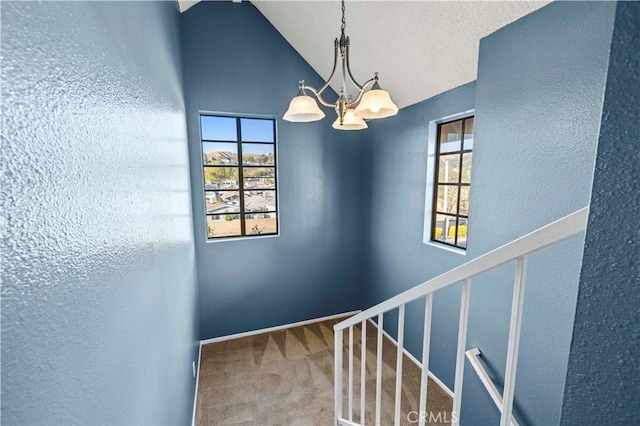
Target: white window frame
(431, 179)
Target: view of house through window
(239, 162)
(449, 224)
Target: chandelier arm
(333, 70)
(353, 80)
(361, 92)
(318, 95)
(344, 72)
(300, 108)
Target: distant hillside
(221, 157)
(228, 157)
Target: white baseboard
(276, 328)
(415, 361)
(195, 396)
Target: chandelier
(370, 102)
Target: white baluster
(363, 369)
(426, 340)
(337, 365)
(379, 369)
(399, 364)
(462, 341)
(514, 341)
(351, 373)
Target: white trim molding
(276, 328)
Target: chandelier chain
(344, 21)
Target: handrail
(472, 356)
(537, 240)
(518, 251)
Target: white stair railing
(517, 251)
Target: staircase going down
(516, 251)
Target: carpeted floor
(286, 378)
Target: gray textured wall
(235, 61)
(98, 277)
(538, 100)
(603, 378)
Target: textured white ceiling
(420, 48)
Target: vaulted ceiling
(419, 48)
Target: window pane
(450, 136)
(233, 210)
(447, 199)
(257, 154)
(449, 168)
(259, 172)
(462, 232)
(466, 168)
(259, 201)
(220, 178)
(222, 202)
(220, 153)
(259, 183)
(464, 200)
(223, 225)
(452, 182)
(468, 133)
(218, 128)
(261, 223)
(445, 229)
(256, 130)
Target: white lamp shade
(350, 122)
(376, 103)
(303, 109)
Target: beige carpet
(286, 378)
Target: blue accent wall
(108, 280)
(99, 318)
(603, 379)
(538, 101)
(236, 62)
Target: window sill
(220, 240)
(445, 247)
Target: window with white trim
(239, 172)
(452, 183)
